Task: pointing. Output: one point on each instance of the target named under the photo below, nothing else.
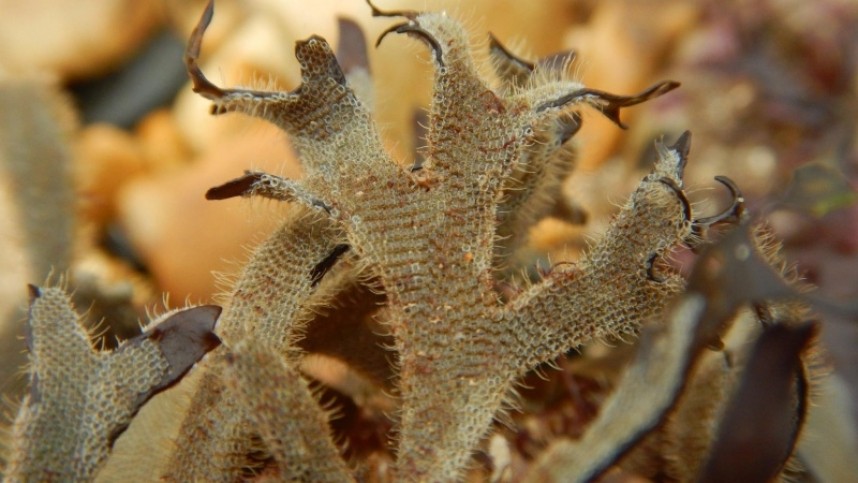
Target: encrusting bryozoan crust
(439, 239)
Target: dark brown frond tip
(325, 265)
(184, 338)
(517, 69)
(609, 104)
(256, 183)
(771, 399)
(686, 205)
(201, 84)
(414, 30)
(733, 214)
(207, 89)
(351, 49)
(242, 186)
(33, 291)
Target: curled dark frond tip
(517, 69)
(392, 29)
(242, 186)
(200, 83)
(34, 292)
(609, 104)
(496, 48)
(192, 51)
(680, 194)
(613, 103)
(661, 88)
(413, 29)
(733, 214)
(377, 12)
(351, 49)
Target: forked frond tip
(201, 84)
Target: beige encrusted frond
(405, 281)
(676, 391)
(81, 399)
(285, 414)
(622, 281)
(271, 302)
(432, 251)
(430, 235)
